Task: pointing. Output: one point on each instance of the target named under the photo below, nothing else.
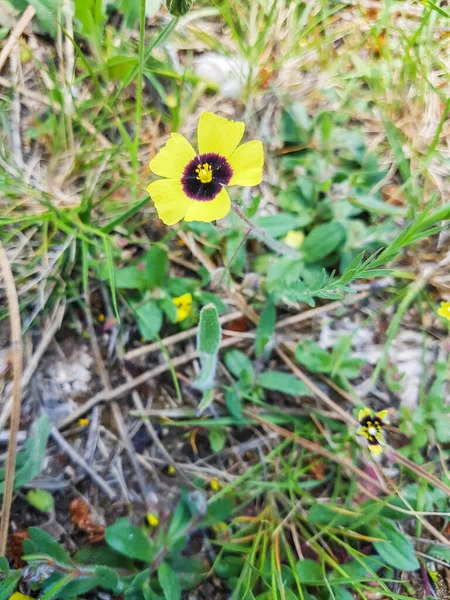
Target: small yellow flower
(294, 239)
(171, 470)
(83, 422)
(19, 596)
(444, 310)
(194, 184)
(101, 318)
(372, 428)
(215, 484)
(183, 305)
(152, 520)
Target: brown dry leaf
(15, 547)
(79, 515)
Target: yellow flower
(215, 484)
(294, 239)
(183, 305)
(444, 310)
(171, 470)
(152, 520)
(19, 596)
(372, 428)
(194, 184)
(83, 422)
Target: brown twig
(15, 34)
(16, 344)
(117, 414)
(35, 360)
(125, 388)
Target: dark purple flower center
(205, 175)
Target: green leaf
(441, 552)
(47, 545)
(283, 382)
(104, 556)
(315, 358)
(149, 318)
(47, 13)
(397, 551)
(130, 278)
(322, 241)
(168, 580)
(217, 439)
(157, 264)
(239, 364)
(32, 457)
(4, 565)
(107, 578)
(266, 327)
(75, 588)
(324, 514)
(42, 500)
(279, 224)
(89, 13)
(9, 584)
(308, 571)
(219, 510)
(233, 403)
(129, 541)
(209, 331)
(373, 204)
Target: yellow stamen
(204, 173)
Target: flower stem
(278, 247)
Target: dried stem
(16, 343)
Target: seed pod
(178, 8)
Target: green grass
(348, 101)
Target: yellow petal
(184, 305)
(173, 157)
(216, 134)
(19, 596)
(247, 164)
(444, 310)
(170, 200)
(364, 412)
(376, 449)
(382, 414)
(209, 210)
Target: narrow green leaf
(266, 327)
(283, 382)
(209, 333)
(168, 580)
(111, 278)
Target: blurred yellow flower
(152, 520)
(193, 187)
(215, 484)
(83, 422)
(294, 239)
(372, 428)
(19, 596)
(183, 305)
(171, 470)
(444, 310)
